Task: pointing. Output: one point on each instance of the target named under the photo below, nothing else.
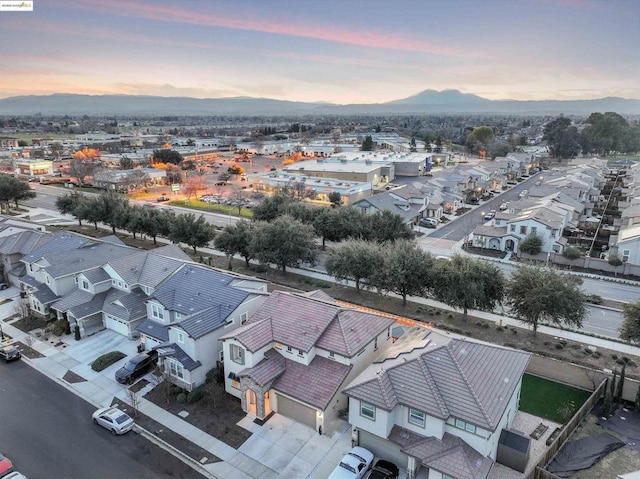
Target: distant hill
(426, 102)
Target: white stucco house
(436, 404)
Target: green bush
(587, 351)
(559, 346)
(195, 395)
(176, 389)
(620, 361)
(594, 299)
(499, 328)
(59, 328)
(76, 333)
(106, 360)
(181, 398)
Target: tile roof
(89, 308)
(42, 292)
(303, 322)
(60, 242)
(24, 242)
(126, 306)
(204, 295)
(445, 377)
(72, 300)
(145, 268)
(175, 351)
(96, 275)
(315, 384)
(154, 329)
(83, 258)
(451, 456)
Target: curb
(177, 453)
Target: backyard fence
(539, 472)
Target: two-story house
(406, 201)
(436, 404)
(296, 353)
(188, 313)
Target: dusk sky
(339, 51)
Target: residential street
(47, 432)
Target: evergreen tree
(618, 396)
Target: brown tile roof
(272, 366)
(445, 377)
(303, 322)
(451, 455)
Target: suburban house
(187, 313)
(297, 352)
(405, 201)
(436, 404)
(13, 247)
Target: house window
(178, 316)
(416, 417)
(176, 369)
(221, 356)
(157, 311)
(85, 285)
(300, 353)
(180, 337)
(523, 230)
(30, 268)
(332, 355)
(389, 332)
(534, 230)
(512, 228)
(289, 350)
(375, 343)
(229, 322)
(625, 255)
(47, 278)
(120, 284)
(244, 317)
(237, 354)
(368, 410)
(460, 424)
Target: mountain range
(426, 102)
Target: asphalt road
(48, 434)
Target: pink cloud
(326, 32)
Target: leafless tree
(133, 398)
(80, 169)
(137, 179)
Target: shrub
(576, 346)
(614, 356)
(215, 375)
(195, 395)
(597, 354)
(547, 343)
(594, 299)
(559, 346)
(449, 316)
(76, 333)
(514, 331)
(176, 389)
(261, 268)
(181, 398)
(478, 323)
(626, 359)
(619, 361)
(486, 325)
(106, 360)
(587, 351)
(499, 328)
(59, 327)
(438, 312)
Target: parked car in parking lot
(9, 353)
(137, 367)
(5, 466)
(383, 470)
(113, 419)
(354, 465)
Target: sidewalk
(280, 448)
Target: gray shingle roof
(96, 275)
(445, 377)
(81, 259)
(303, 322)
(145, 268)
(89, 308)
(60, 242)
(386, 202)
(154, 329)
(42, 292)
(72, 300)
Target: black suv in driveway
(137, 367)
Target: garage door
(382, 448)
(117, 325)
(296, 411)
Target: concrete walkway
(280, 448)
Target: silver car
(112, 418)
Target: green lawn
(213, 208)
(550, 400)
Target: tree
(407, 270)
(236, 170)
(235, 239)
(385, 226)
(538, 294)
(466, 283)
(412, 145)
(562, 138)
(607, 404)
(630, 330)
(532, 244)
(126, 163)
(572, 253)
(13, 189)
(355, 260)
(188, 229)
(334, 198)
(284, 241)
(81, 168)
(479, 139)
(615, 261)
(617, 398)
(271, 207)
(136, 219)
(69, 205)
(333, 224)
(112, 210)
(237, 197)
(367, 143)
(157, 223)
(166, 155)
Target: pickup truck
(9, 352)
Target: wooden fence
(539, 472)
